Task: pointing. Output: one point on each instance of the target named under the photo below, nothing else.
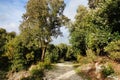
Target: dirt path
(62, 71)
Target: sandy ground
(62, 71)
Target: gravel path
(62, 71)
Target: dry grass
(103, 60)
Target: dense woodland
(95, 33)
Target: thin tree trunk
(43, 53)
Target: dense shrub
(107, 70)
(36, 74)
(52, 53)
(61, 52)
(114, 50)
(14, 51)
(70, 55)
(91, 54)
(18, 63)
(47, 63)
(5, 63)
(21, 55)
(37, 71)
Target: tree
(4, 38)
(106, 19)
(111, 10)
(16, 54)
(108, 11)
(78, 31)
(63, 48)
(91, 30)
(42, 21)
(94, 3)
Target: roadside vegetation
(94, 41)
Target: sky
(11, 12)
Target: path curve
(62, 71)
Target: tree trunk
(43, 53)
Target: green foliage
(5, 37)
(94, 3)
(71, 54)
(2, 40)
(37, 71)
(62, 50)
(47, 63)
(14, 53)
(78, 41)
(37, 74)
(21, 54)
(107, 70)
(3, 75)
(5, 63)
(114, 50)
(106, 16)
(79, 57)
(78, 31)
(18, 63)
(52, 53)
(91, 55)
(95, 28)
(97, 41)
(111, 9)
(42, 21)
(30, 56)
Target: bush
(37, 72)
(87, 59)
(53, 57)
(36, 75)
(5, 63)
(79, 57)
(70, 55)
(62, 51)
(91, 54)
(47, 63)
(107, 70)
(84, 60)
(52, 53)
(18, 63)
(114, 50)
(30, 56)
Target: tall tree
(94, 3)
(78, 30)
(42, 21)
(4, 38)
(112, 10)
